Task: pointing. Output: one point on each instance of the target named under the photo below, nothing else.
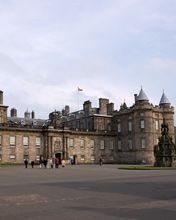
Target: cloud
(110, 49)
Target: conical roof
(142, 96)
(164, 99)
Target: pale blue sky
(109, 48)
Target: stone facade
(124, 136)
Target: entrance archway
(59, 157)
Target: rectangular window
(25, 141)
(143, 143)
(119, 127)
(37, 158)
(111, 158)
(12, 141)
(82, 143)
(0, 140)
(130, 144)
(119, 144)
(92, 158)
(12, 157)
(71, 142)
(38, 151)
(38, 141)
(111, 145)
(142, 124)
(102, 144)
(130, 126)
(92, 143)
(82, 157)
(157, 125)
(0, 157)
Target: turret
(164, 101)
(142, 96)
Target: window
(130, 144)
(12, 141)
(12, 157)
(0, 140)
(38, 151)
(111, 145)
(143, 143)
(38, 141)
(111, 158)
(82, 157)
(82, 142)
(157, 125)
(92, 143)
(102, 144)
(130, 126)
(142, 124)
(119, 144)
(38, 158)
(92, 158)
(25, 141)
(142, 114)
(0, 157)
(71, 142)
(118, 127)
(26, 156)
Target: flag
(80, 90)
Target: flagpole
(78, 98)
(79, 90)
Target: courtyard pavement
(87, 192)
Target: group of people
(53, 163)
(46, 163)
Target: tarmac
(87, 192)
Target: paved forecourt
(86, 192)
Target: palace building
(127, 135)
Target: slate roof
(164, 100)
(142, 96)
(15, 121)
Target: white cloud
(110, 49)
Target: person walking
(32, 164)
(26, 163)
(100, 161)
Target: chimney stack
(1, 97)
(13, 112)
(135, 98)
(33, 115)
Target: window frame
(26, 141)
(12, 141)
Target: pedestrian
(51, 162)
(63, 163)
(57, 162)
(26, 163)
(32, 164)
(100, 161)
(45, 162)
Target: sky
(108, 48)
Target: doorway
(59, 157)
(74, 159)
